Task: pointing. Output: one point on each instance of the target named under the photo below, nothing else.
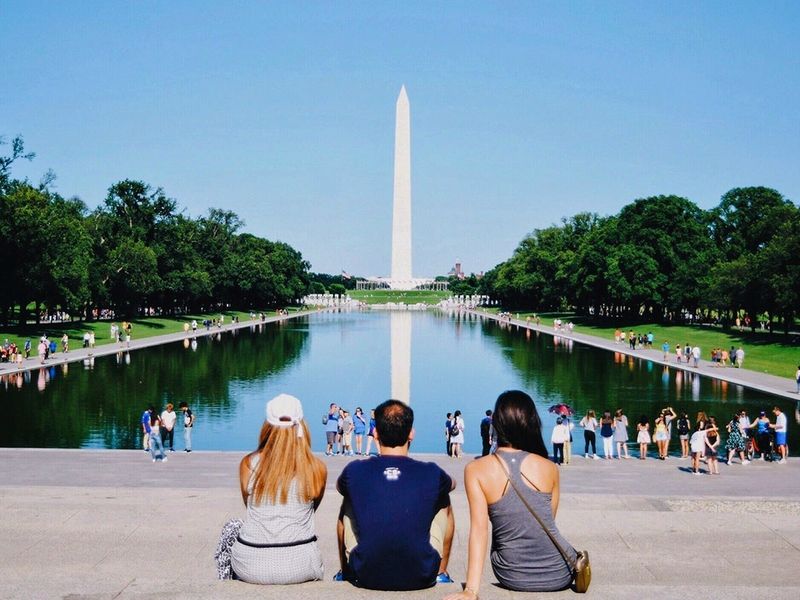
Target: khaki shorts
(438, 530)
(346, 438)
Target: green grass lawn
(143, 327)
(774, 354)
(396, 296)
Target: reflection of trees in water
(103, 407)
(586, 377)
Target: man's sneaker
(164, 459)
(443, 577)
(338, 577)
(596, 457)
(329, 454)
(745, 462)
(782, 461)
(154, 460)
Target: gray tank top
(523, 557)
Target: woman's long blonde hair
(283, 457)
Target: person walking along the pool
(523, 557)
(188, 424)
(621, 434)
(607, 433)
(282, 484)
(589, 424)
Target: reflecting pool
(437, 362)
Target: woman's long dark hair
(517, 423)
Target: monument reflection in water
(438, 362)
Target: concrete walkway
(81, 354)
(763, 382)
(111, 524)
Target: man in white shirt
(696, 355)
(780, 433)
(168, 419)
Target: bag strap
(567, 558)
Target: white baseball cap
(285, 411)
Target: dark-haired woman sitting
(523, 556)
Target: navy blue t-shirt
(394, 500)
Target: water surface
(354, 359)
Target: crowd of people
(688, 353)
(699, 440)
(158, 430)
(282, 484)
(341, 428)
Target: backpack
(683, 426)
(454, 430)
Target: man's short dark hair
(488, 413)
(393, 421)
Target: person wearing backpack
(457, 434)
(684, 427)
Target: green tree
(743, 225)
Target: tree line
(135, 251)
(663, 258)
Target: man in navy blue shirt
(486, 428)
(396, 525)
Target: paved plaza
(111, 524)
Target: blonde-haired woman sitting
(282, 484)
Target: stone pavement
(111, 524)
(763, 382)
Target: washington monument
(402, 277)
(401, 215)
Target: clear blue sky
(521, 113)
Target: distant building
(456, 271)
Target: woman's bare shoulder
(541, 471)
